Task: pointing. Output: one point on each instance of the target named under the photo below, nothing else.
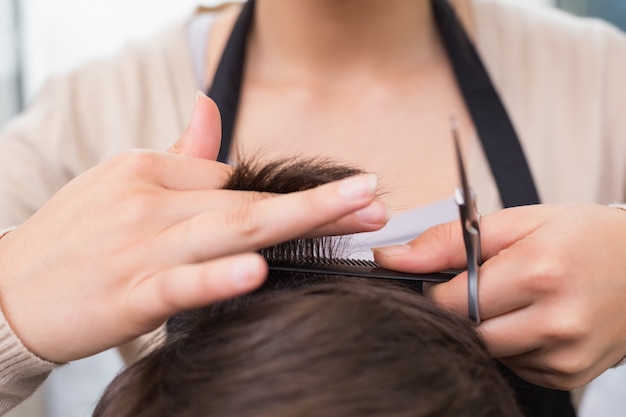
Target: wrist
(9, 336)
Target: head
(313, 345)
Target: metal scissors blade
(470, 223)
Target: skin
(552, 303)
(148, 234)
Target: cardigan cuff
(21, 371)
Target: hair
(313, 345)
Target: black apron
(495, 130)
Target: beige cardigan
(561, 78)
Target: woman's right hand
(552, 288)
(148, 234)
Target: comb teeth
(325, 261)
(353, 268)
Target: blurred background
(39, 38)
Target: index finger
(270, 221)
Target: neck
(339, 36)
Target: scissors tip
(454, 127)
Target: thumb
(439, 248)
(203, 135)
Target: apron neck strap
(225, 89)
(496, 132)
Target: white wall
(9, 91)
(59, 34)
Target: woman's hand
(552, 288)
(146, 235)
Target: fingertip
(247, 272)
(374, 216)
(185, 287)
(358, 187)
(202, 137)
(439, 248)
(384, 252)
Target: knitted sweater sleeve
(21, 371)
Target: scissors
(470, 223)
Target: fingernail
(376, 213)
(393, 250)
(196, 119)
(199, 93)
(358, 186)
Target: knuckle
(567, 333)
(134, 206)
(313, 203)
(136, 162)
(442, 237)
(566, 325)
(567, 330)
(251, 197)
(443, 233)
(168, 294)
(556, 371)
(546, 274)
(245, 219)
(568, 370)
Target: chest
(398, 130)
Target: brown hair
(314, 346)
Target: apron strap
(495, 130)
(225, 89)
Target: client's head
(311, 345)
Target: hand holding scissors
(552, 284)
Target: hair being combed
(313, 345)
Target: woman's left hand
(146, 235)
(552, 288)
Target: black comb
(359, 268)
